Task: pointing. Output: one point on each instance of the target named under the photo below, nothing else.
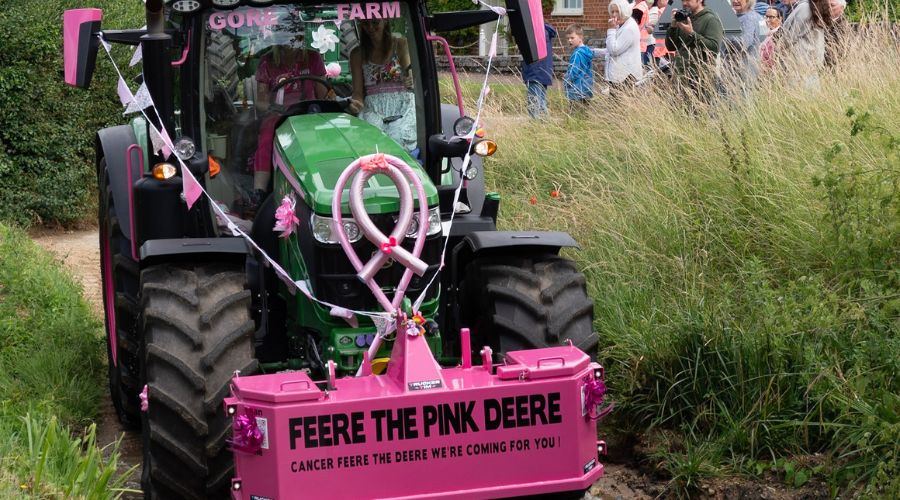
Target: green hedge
(46, 127)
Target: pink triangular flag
(190, 186)
(493, 51)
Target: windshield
(261, 63)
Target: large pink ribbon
(402, 175)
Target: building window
(568, 8)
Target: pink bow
(374, 163)
(386, 246)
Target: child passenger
(579, 79)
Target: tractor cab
(262, 65)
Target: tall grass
(50, 381)
(743, 257)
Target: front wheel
(197, 331)
(527, 302)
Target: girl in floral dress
(382, 84)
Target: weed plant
(744, 260)
(50, 381)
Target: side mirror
(80, 45)
(526, 22)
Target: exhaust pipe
(155, 17)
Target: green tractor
(240, 88)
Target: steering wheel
(310, 105)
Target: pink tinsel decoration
(285, 218)
(145, 404)
(246, 436)
(594, 393)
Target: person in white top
(623, 45)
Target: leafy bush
(46, 148)
(744, 260)
(50, 380)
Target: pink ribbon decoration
(594, 393)
(387, 245)
(145, 403)
(285, 218)
(374, 163)
(246, 436)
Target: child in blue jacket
(579, 79)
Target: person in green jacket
(696, 42)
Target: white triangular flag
(142, 100)
(160, 142)
(124, 92)
(137, 56)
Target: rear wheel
(197, 331)
(119, 274)
(526, 302)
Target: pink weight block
(420, 431)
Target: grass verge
(50, 383)
(744, 260)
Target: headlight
(185, 148)
(471, 173)
(321, 227)
(434, 223)
(485, 147)
(163, 171)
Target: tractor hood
(318, 147)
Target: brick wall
(594, 20)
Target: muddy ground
(624, 479)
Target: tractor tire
(221, 66)
(527, 302)
(197, 331)
(120, 278)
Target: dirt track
(79, 253)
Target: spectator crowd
(695, 54)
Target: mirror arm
(449, 21)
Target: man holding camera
(695, 35)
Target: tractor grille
(335, 281)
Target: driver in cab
(285, 62)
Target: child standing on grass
(579, 79)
